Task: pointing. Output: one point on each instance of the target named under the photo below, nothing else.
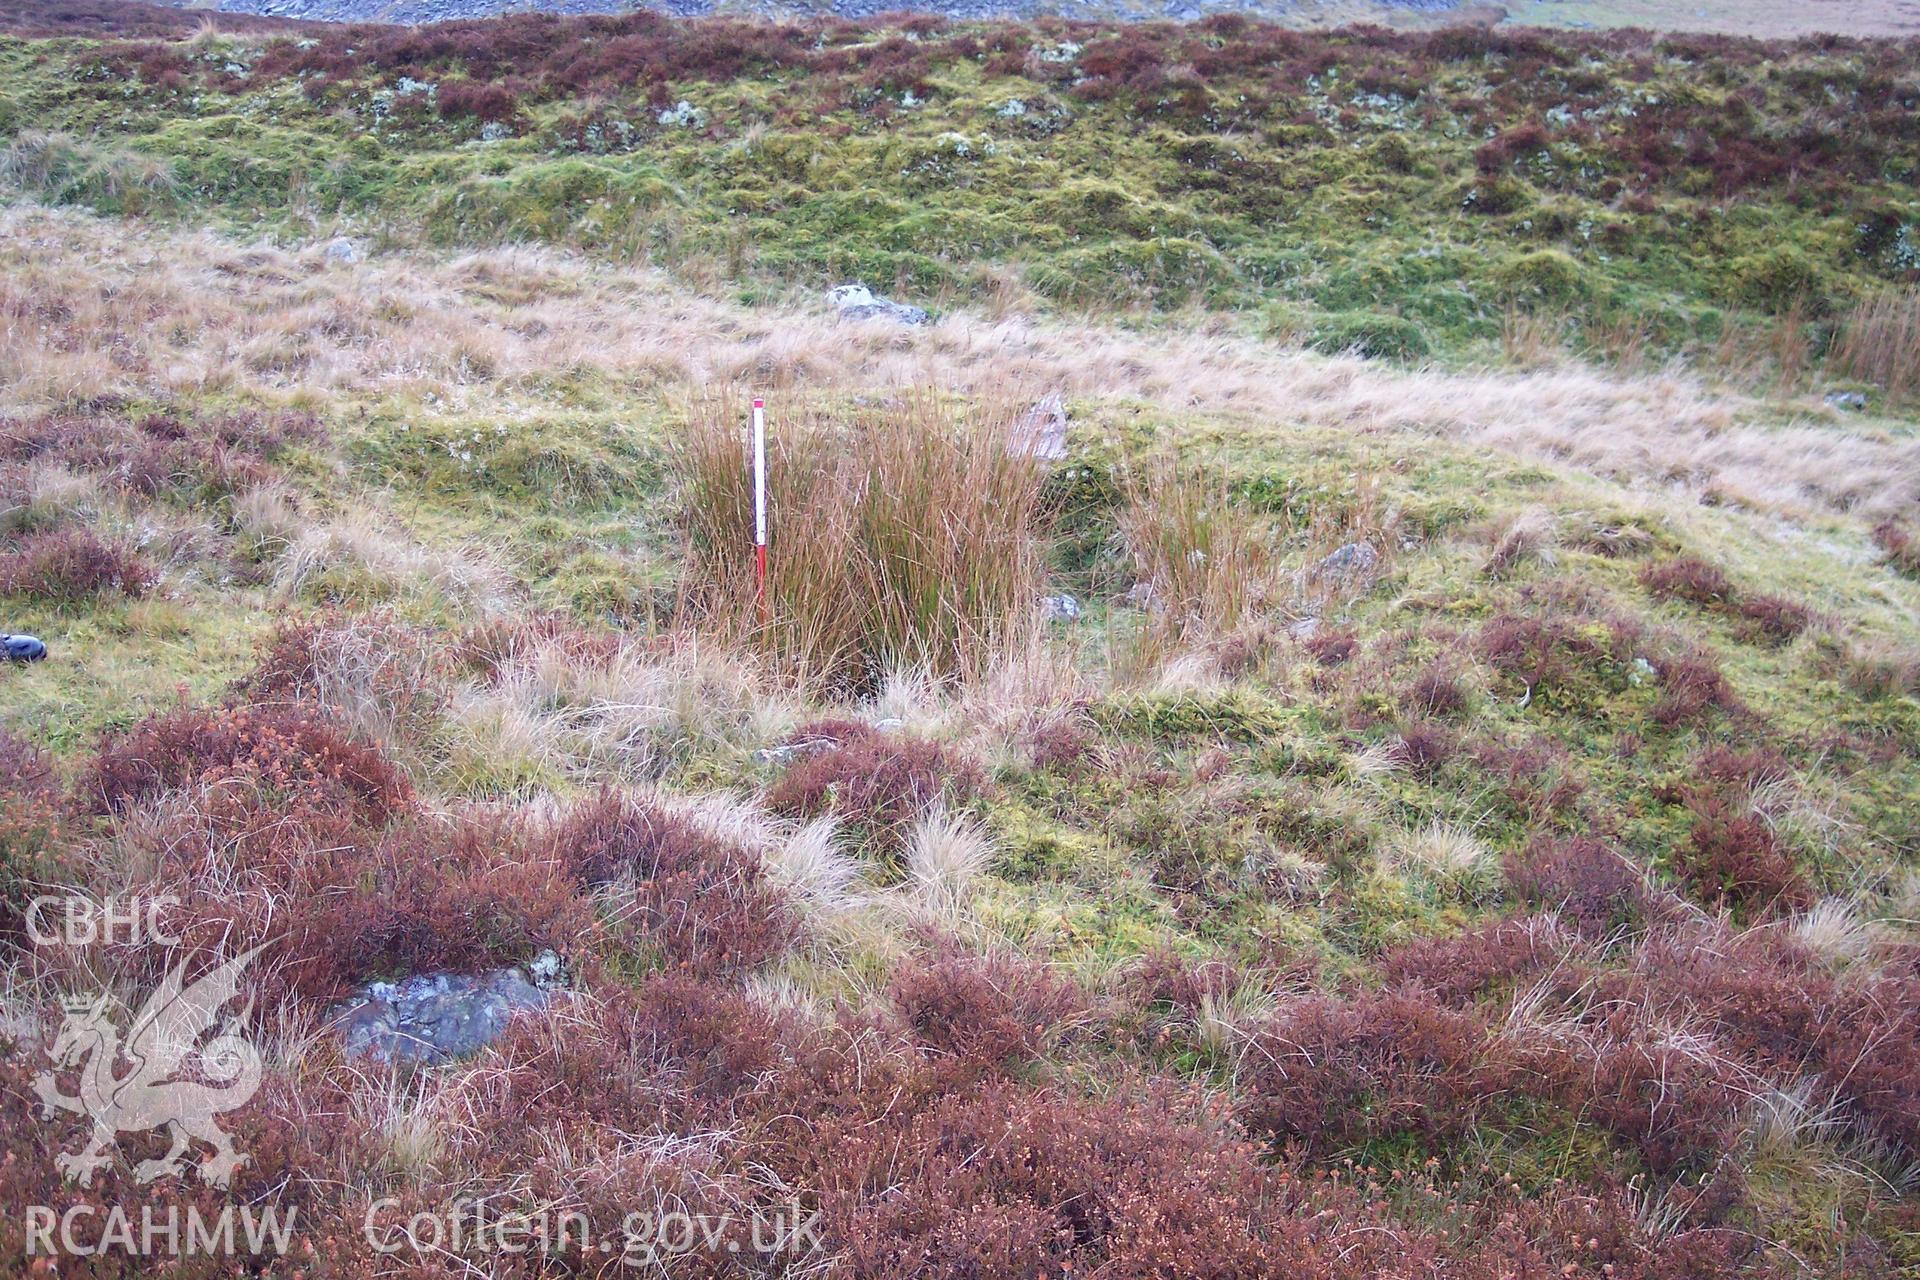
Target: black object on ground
(22, 648)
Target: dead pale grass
(1880, 343)
(92, 307)
(921, 544)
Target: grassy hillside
(1402, 193)
(1764, 18)
(1470, 830)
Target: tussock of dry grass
(824, 883)
(1880, 343)
(902, 539)
(1450, 855)
(947, 853)
(358, 557)
(1224, 1019)
(59, 164)
(355, 675)
(626, 717)
(93, 308)
(1199, 555)
(1834, 931)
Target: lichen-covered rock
(1041, 430)
(684, 115)
(434, 1017)
(1060, 608)
(1346, 565)
(857, 302)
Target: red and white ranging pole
(760, 500)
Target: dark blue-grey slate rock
(435, 1017)
(22, 648)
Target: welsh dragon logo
(162, 1044)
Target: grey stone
(1304, 629)
(342, 250)
(857, 302)
(889, 724)
(784, 754)
(435, 1017)
(1140, 595)
(1060, 608)
(547, 971)
(1346, 565)
(683, 114)
(1850, 401)
(22, 648)
(1041, 431)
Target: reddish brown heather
(1691, 686)
(1767, 618)
(881, 780)
(697, 903)
(1331, 648)
(45, 19)
(1750, 767)
(295, 751)
(1059, 745)
(72, 564)
(1007, 1175)
(1772, 1008)
(197, 459)
(1738, 862)
(1165, 978)
(1435, 691)
(1220, 74)
(1774, 618)
(1898, 542)
(270, 826)
(1688, 578)
(1469, 966)
(29, 832)
(1330, 1073)
(982, 1015)
(1535, 776)
(1589, 884)
(1424, 746)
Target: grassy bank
(1444, 875)
(1468, 829)
(1396, 193)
